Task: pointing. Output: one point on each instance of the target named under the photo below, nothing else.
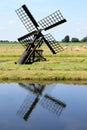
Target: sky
(74, 11)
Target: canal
(25, 106)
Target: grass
(69, 65)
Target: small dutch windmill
(34, 39)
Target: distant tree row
(74, 39)
(65, 39)
(6, 41)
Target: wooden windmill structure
(34, 39)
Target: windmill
(34, 39)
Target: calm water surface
(43, 107)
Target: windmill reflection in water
(39, 95)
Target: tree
(84, 39)
(66, 39)
(74, 39)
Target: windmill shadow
(37, 94)
(34, 39)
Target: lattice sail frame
(52, 20)
(27, 106)
(26, 40)
(53, 43)
(53, 105)
(26, 19)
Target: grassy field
(69, 65)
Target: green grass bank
(69, 65)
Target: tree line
(74, 39)
(7, 41)
(65, 39)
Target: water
(43, 107)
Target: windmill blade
(52, 20)
(28, 105)
(25, 36)
(27, 19)
(27, 39)
(52, 105)
(53, 45)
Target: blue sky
(74, 11)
